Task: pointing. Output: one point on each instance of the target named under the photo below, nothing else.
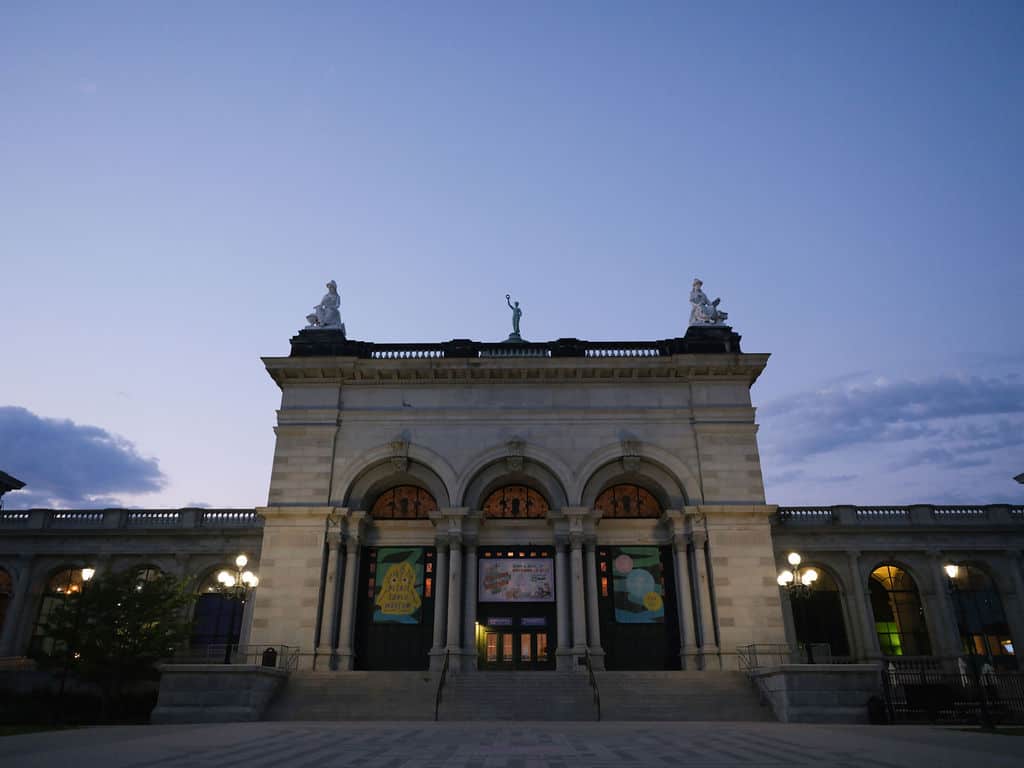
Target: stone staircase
(355, 696)
(696, 696)
(509, 695)
(518, 696)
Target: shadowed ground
(519, 745)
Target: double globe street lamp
(235, 584)
(797, 583)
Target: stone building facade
(531, 506)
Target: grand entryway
(516, 618)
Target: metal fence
(924, 695)
(280, 656)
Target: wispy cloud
(69, 465)
(957, 428)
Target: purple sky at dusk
(178, 182)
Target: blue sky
(178, 182)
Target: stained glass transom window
(403, 502)
(627, 500)
(516, 501)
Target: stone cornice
(289, 371)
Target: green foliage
(118, 626)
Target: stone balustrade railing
(915, 514)
(138, 519)
(710, 339)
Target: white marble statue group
(326, 314)
(702, 311)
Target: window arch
(819, 618)
(63, 584)
(6, 595)
(980, 616)
(899, 617)
(627, 500)
(403, 502)
(516, 501)
(217, 618)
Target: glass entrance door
(515, 647)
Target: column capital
(455, 541)
(576, 539)
(699, 537)
(450, 520)
(681, 541)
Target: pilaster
(353, 541)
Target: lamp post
(87, 574)
(797, 583)
(235, 584)
(952, 571)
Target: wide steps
(694, 696)
(355, 696)
(517, 696)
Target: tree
(117, 628)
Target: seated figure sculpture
(325, 314)
(702, 311)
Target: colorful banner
(523, 580)
(636, 579)
(398, 590)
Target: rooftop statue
(702, 311)
(325, 314)
(516, 314)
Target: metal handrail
(440, 684)
(593, 681)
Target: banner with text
(517, 580)
(399, 585)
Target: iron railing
(937, 696)
(440, 684)
(284, 657)
(593, 681)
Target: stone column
(15, 610)
(563, 653)
(941, 616)
(579, 619)
(440, 603)
(688, 651)
(1013, 599)
(593, 615)
(862, 594)
(853, 602)
(708, 645)
(454, 598)
(346, 654)
(469, 651)
(331, 614)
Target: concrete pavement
(516, 745)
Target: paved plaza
(519, 745)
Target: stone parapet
(215, 693)
(819, 693)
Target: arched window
(818, 617)
(403, 502)
(516, 501)
(6, 592)
(981, 618)
(218, 614)
(63, 584)
(627, 500)
(899, 617)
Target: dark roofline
(9, 483)
(698, 340)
